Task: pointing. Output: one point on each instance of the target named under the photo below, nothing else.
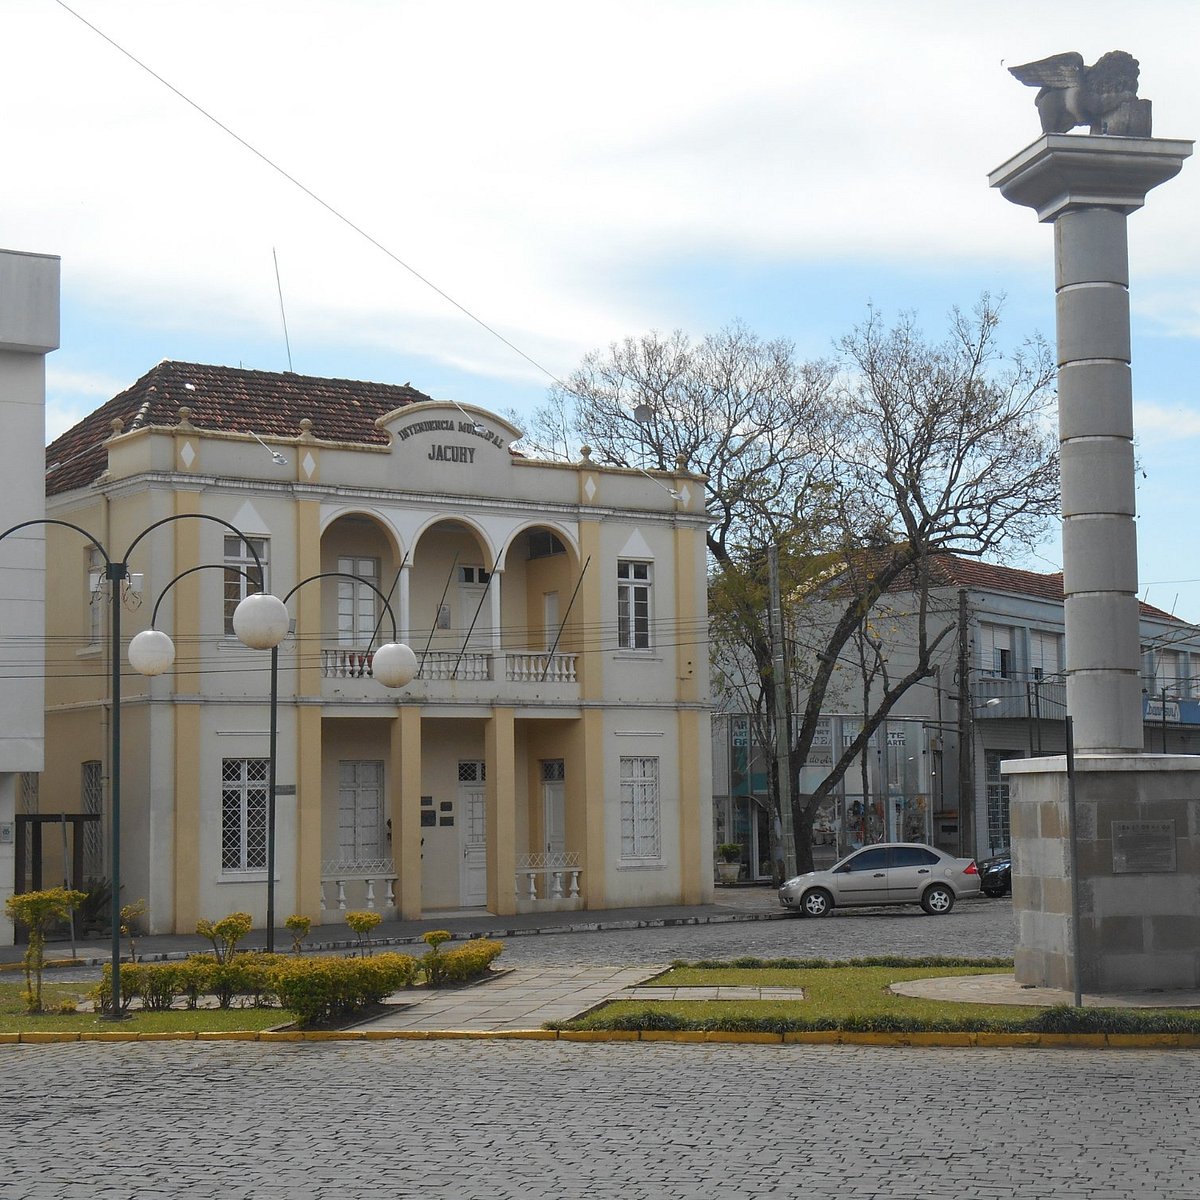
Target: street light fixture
(152, 653)
(261, 622)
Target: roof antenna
(279, 287)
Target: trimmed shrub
(37, 911)
(362, 922)
(322, 991)
(298, 926)
(226, 933)
(461, 964)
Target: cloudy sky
(570, 173)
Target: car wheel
(937, 900)
(816, 903)
(994, 892)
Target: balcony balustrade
(548, 881)
(362, 878)
(523, 666)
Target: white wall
(29, 306)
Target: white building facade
(29, 330)
(551, 752)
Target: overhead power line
(325, 204)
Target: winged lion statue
(1102, 96)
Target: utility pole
(783, 714)
(966, 736)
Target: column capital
(1063, 172)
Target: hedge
(319, 991)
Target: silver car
(887, 873)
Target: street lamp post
(393, 664)
(150, 655)
(261, 622)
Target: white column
(403, 615)
(494, 602)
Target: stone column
(1086, 186)
(1134, 869)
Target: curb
(958, 1039)
(733, 918)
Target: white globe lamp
(394, 664)
(151, 652)
(261, 621)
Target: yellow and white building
(554, 749)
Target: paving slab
(524, 998)
(1004, 989)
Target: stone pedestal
(1138, 865)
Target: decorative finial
(585, 453)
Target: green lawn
(840, 996)
(14, 1019)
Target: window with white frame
(242, 576)
(995, 650)
(641, 834)
(357, 601)
(634, 582)
(244, 814)
(1045, 653)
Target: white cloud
(527, 157)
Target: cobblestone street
(639, 1122)
(464, 1119)
(975, 929)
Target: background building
(550, 752)
(916, 782)
(29, 310)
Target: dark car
(995, 873)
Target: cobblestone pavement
(509, 1120)
(975, 929)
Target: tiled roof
(949, 570)
(229, 399)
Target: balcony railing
(528, 667)
(450, 664)
(1021, 698)
(362, 877)
(342, 663)
(548, 881)
(522, 666)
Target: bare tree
(942, 448)
(859, 472)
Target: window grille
(640, 827)
(244, 814)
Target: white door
(550, 619)
(555, 810)
(360, 812)
(474, 608)
(473, 834)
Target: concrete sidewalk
(733, 904)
